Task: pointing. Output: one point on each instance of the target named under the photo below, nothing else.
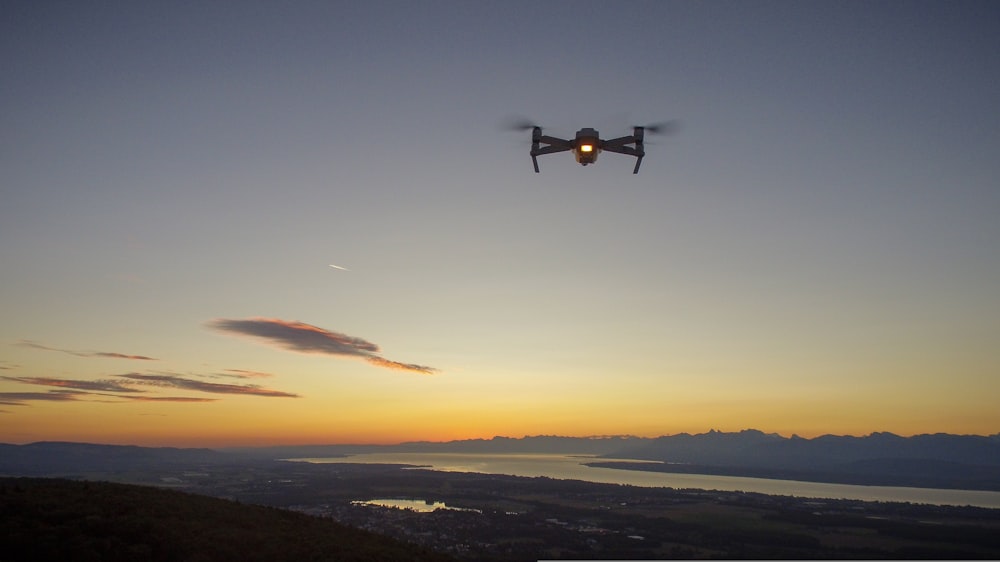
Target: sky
(256, 223)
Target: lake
(412, 505)
(571, 467)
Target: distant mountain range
(54, 458)
(498, 445)
(938, 460)
(755, 448)
(933, 461)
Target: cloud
(93, 386)
(22, 398)
(72, 389)
(170, 399)
(120, 356)
(298, 336)
(175, 381)
(306, 338)
(244, 374)
(111, 354)
(19, 398)
(379, 361)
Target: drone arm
(554, 145)
(536, 152)
(563, 144)
(550, 150)
(638, 161)
(612, 144)
(620, 145)
(623, 150)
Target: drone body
(588, 144)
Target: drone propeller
(664, 128)
(518, 124)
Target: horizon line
(501, 437)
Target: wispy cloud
(244, 374)
(119, 356)
(382, 362)
(129, 387)
(306, 338)
(92, 386)
(170, 399)
(111, 354)
(177, 381)
(21, 398)
(298, 336)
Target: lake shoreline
(579, 467)
(822, 477)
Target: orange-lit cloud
(297, 336)
(111, 354)
(175, 381)
(92, 386)
(21, 398)
(169, 399)
(306, 338)
(381, 362)
(72, 389)
(244, 374)
(120, 356)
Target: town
(495, 517)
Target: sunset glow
(814, 252)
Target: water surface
(571, 467)
(414, 505)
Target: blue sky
(814, 251)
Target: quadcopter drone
(588, 143)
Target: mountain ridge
(936, 460)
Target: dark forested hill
(55, 519)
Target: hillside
(56, 458)
(55, 519)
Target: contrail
(338, 267)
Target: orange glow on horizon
(199, 428)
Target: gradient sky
(817, 250)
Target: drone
(588, 143)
